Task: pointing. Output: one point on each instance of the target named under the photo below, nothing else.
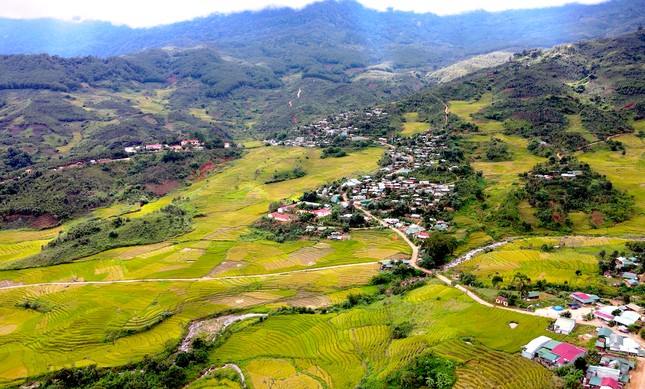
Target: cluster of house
(421, 196)
(630, 278)
(610, 373)
(552, 353)
(288, 212)
(530, 296)
(389, 264)
(100, 161)
(624, 315)
(564, 175)
(617, 343)
(323, 131)
(186, 144)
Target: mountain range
(330, 31)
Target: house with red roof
(280, 217)
(287, 208)
(552, 353)
(568, 353)
(584, 298)
(319, 213)
(604, 316)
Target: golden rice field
(338, 350)
(75, 320)
(412, 125)
(524, 256)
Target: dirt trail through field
(200, 279)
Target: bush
(402, 330)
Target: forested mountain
(247, 73)
(330, 32)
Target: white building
(564, 326)
(533, 346)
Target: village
(613, 355)
(397, 193)
(400, 197)
(345, 127)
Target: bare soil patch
(223, 267)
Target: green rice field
(560, 265)
(338, 350)
(74, 322)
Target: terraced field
(525, 256)
(485, 368)
(337, 350)
(76, 321)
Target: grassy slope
(412, 125)
(625, 172)
(339, 349)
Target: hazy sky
(145, 13)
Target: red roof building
(322, 212)
(279, 217)
(604, 316)
(609, 382)
(568, 353)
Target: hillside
(345, 29)
(525, 124)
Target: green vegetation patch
(559, 187)
(92, 237)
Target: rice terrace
(331, 196)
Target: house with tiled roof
(584, 298)
(280, 217)
(552, 353)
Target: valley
(293, 212)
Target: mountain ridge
(379, 35)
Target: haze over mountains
(250, 73)
(333, 28)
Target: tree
(522, 283)
(496, 280)
(580, 364)
(602, 254)
(467, 278)
(512, 299)
(438, 246)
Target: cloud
(147, 13)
